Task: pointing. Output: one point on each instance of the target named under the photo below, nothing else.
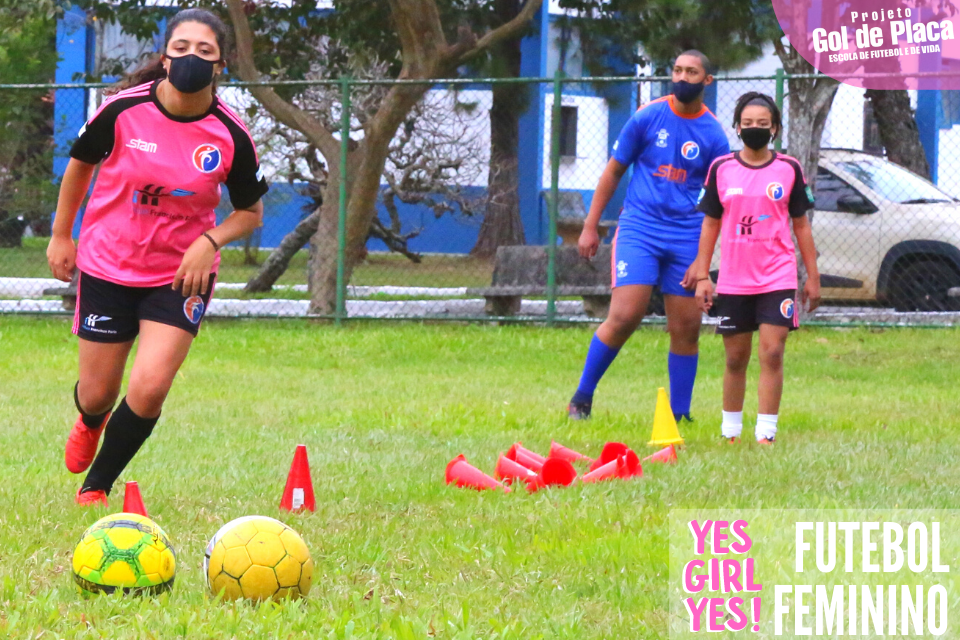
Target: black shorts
(109, 312)
(745, 313)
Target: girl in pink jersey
(149, 241)
(750, 198)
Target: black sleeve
(801, 199)
(97, 136)
(709, 202)
(245, 181)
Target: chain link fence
(482, 199)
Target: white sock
(766, 426)
(732, 424)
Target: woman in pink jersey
(149, 242)
(750, 198)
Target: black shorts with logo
(745, 313)
(109, 312)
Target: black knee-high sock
(125, 434)
(90, 420)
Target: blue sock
(599, 358)
(683, 373)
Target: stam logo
(671, 173)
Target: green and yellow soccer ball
(124, 551)
(258, 558)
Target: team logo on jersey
(152, 193)
(746, 224)
(142, 145)
(206, 158)
(662, 136)
(786, 308)
(775, 191)
(193, 309)
(734, 191)
(621, 269)
(690, 150)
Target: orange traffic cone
(630, 467)
(527, 458)
(667, 454)
(509, 470)
(519, 448)
(465, 474)
(133, 501)
(555, 472)
(298, 494)
(560, 451)
(611, 451)
(606, 471)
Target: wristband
(216, 247)
(702, 279)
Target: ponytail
(148, 71)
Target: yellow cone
(665, 430)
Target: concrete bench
(521, 271)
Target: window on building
(568, 132)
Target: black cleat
(579, 410)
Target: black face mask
(190, 73)
(756, 138)
(687, 92)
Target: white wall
(593, 124)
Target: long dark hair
(757, 99)
(152, 69)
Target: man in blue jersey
(670, 143)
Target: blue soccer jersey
(670, 153)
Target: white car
(884, 234)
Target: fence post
(345, 108)
(554, 200)
(778, 143)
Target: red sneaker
(765, 441)
(731, 440)
(82, 445)
(91, 498)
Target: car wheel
(922, 286)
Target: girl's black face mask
(191, 73)
(756, 138)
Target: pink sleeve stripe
(123, 94)
(233, 116)
(722, 158)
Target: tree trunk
(501, 221)
(279, 259)
(322, 270)
(898, 129)
(810, 102)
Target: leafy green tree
(28, 55)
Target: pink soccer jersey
(158, 184)
(755, 204)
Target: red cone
(606, 471)
(519, 448)
(630, 467)
(133, 501)
(560, 451)
(611, 451)
(298, 494)
(466, 475)
(509, 470)
(527, 458)
(667, 455)
(555, 472)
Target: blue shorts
(643, 258)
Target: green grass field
(869, 420)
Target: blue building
(592, 116)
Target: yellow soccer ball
(124, 551)
(258, 558)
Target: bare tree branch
(284, 111)
(468, 47)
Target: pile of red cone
(519, 464)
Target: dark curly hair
(757, 99)
(152, 69)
